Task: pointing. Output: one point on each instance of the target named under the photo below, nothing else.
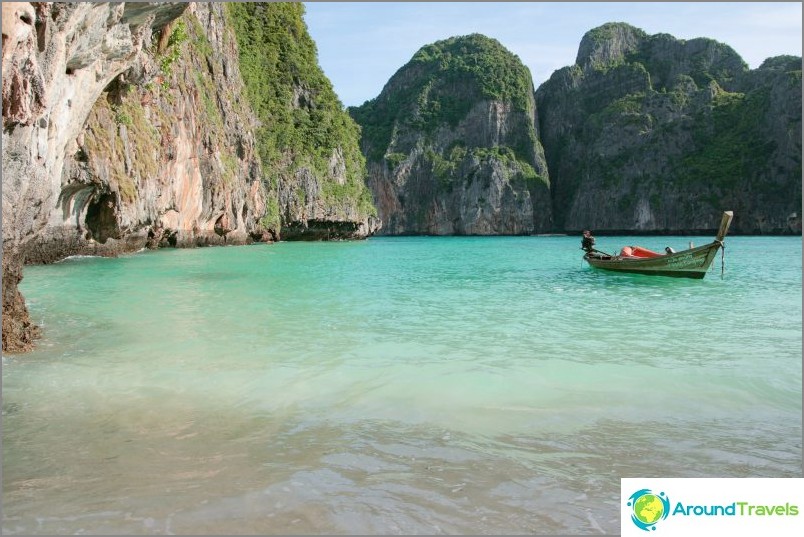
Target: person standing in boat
(588, 241)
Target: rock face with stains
(165, 155)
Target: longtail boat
(691, 263)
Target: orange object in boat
(638, 251)
(626, 251)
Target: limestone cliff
(308, 143)
(129, 125)
(652, 133)
(166, 155)
(57, 60)
(452, 146)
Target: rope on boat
(722, 259)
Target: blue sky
(361, 44)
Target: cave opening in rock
(220, 226)
(101, 220)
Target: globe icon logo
(648, 508)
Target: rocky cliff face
(57, 60)
(309, 145)
(452, 146)
(166, 155)
(651, 133)
(129, 125)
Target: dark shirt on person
(588, 242)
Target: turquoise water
(395, 385)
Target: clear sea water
(394, 385)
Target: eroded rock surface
(452, 145)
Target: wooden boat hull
(692, 263)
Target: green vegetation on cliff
(499, 75)
(669, 129)
(452, 143)
(729, 146)
(303, 124)
(440, 84)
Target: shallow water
(395, 385)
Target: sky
(362, 44)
